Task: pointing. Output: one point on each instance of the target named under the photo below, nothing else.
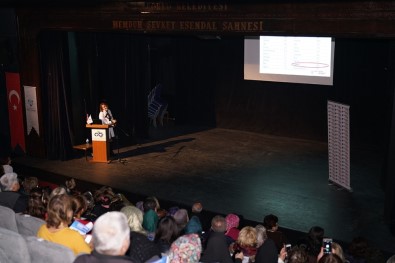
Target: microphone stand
(120, 160)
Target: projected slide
(289, 59)
(303, 56)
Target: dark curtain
(114, 68)
(56, 104)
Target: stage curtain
(56, 104)
(115, 68)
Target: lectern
(100, 142)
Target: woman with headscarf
(185, 249)
(232, 231)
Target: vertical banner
(339, 144)
(31, 110)
(15, 112)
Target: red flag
(15, 113)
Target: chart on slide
(304, 56)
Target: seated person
(232, 231)
(217, 247)
(141, 249)
(56, 229)
(246, 242)
(270, 222)
(186, 249)
(10, 197)
(166, 233)
(111, 238)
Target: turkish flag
(15, 112)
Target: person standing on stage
(106, 117)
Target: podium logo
(98, 134)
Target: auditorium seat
(28, 225)
(13, 247)
(44, 251)
(7, 219)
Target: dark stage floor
(249, 174)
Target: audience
(270, 222)
(111, 238)
(150, 218)
(157, 235)
(141, 249)
(217, 247)
(267, 250)
(185, 249)
(232, 231)
(330, 258)
(166, 233)
(338, 250)
(29, 184)
(5, 162)
(246, 242)
(298, 255)
(181, 218)
(312, 242)
(391, 259)
(37, 203)
(56, 229)
(9, 196)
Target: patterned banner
(31, 110)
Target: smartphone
(288, 247)
(327, 245)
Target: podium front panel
(101, 149)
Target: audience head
(391, 259)
(150, 204)
(167, 230)
(247, 237)
(30, 183)
(232, 221)
(316, 233)
(185, 249)
(58, 191)
(90, 201)
(59, 211)
(218, 224)
(173, 210)
(37, 203)
(338, 250)
(80, 205)
(197, 208)
(104, 196)
(358, 248)
(330, 258)
(297, 255)
(270, 222)
(134, 217)
(181, 217)
(261, 235)
(111, 234)
(9, 182)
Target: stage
(245, 173)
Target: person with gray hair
(267, 250)
(111, 239)
(9, 196)
(217, 248)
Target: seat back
(28, 225)
(44, 251)
(7, 219)
(13, 247)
